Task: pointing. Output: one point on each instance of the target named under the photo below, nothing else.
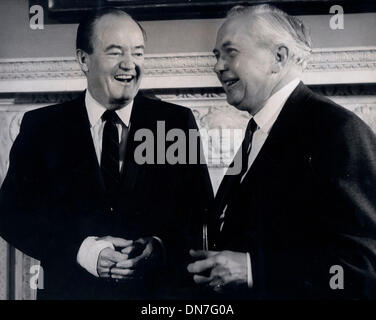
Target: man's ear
(82, 58)
(281, 56)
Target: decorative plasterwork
(363, 58)
(187, 70)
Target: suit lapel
(282, 133)
(131, 169)
(82, 152)
(82, 145)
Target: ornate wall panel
(4, 270)
(348, 76)
(14, 267)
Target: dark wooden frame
(70, 11)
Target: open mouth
(231, 82)
(124, 78)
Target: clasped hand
(220, 271)
(130, 259)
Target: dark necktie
(230, 183)
(110, 154)
(247, 145)
(229, 180)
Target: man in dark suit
(79, 196)
(299, 221)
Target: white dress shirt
(265, 119)
(90, 248)
(95, 112)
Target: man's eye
(114, 53)
(232, 52)
(138, 54)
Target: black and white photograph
(194, 152)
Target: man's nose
(127, 62)
(220, 66)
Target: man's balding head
(85, 30)
(259, 50)
(270, 26)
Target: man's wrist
(89, 251)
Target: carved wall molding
(323, 59)
(342, 58)
(326, 66)
(23, 101)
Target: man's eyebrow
(227, 44)
(224, 45)
(113, 46)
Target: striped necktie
(230, 183)
(110, 154)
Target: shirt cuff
(89, 251)
(249, 271)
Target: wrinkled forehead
(235, 30)
(117, 28)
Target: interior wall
(163, 36)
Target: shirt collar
(268, 114)
(95, 110)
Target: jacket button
(111, 209)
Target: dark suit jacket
(307, 203)
(53, 198)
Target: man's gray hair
(273, 26)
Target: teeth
(123, 77)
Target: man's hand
(143, 256)
(108, 257)
(219, 270)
